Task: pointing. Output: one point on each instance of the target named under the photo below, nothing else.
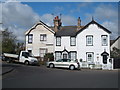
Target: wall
(37, 44)
(97, 47)
(65, 44)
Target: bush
(49, 56)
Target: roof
(66, 31)
(73, 30)
(40, 23)
(113, 41)
(93, 22)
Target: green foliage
(115, 53)
(49, 56)
(8, 41)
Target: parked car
(64, 63)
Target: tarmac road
(42, 77)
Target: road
(42, 77)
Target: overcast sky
(18, 17)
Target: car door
(65, 63)
(59, 63)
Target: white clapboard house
(89, 44)
(40, 40)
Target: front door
(64, 56)
(105, 59)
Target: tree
(8, 42)
(19, 47)
(115, 53)
(49, 56)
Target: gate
(116, 63)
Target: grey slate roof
(72, 30)
(67, 31)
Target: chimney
(57, 23)
(79, 24)
(79, 21)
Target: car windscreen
(26, 54)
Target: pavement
(5, 68)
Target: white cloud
(18, 17)
(108, 16)
(69, 20)
(48, 19)
(66, 19)
(112, 27)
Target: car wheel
(72, 67)
(26, 62)
(51, 65)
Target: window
(58, 41)
(89, 40)
(104, 40)
(90, 57)
(43, 51)
(59, 60)
(73, 55)
(57, 55)
(30, 38)
(43, 37)
(72, 41)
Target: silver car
(64, 63)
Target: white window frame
(104, 43)
(58, 41)
(43, 37)
(72, 41)
(73, 55)
(57, 55)
(30, 38)
(43, 51)
(90, 59)
(89, 40)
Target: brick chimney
(57, 23)
(79, 23)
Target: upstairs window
(43, 37)
(30, 38)
(89, 40)
(104, 40)
(72, 41)
(58, 41)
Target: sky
(18, 17)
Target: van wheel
(51, 65)
(72, 67)
(26, 62)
